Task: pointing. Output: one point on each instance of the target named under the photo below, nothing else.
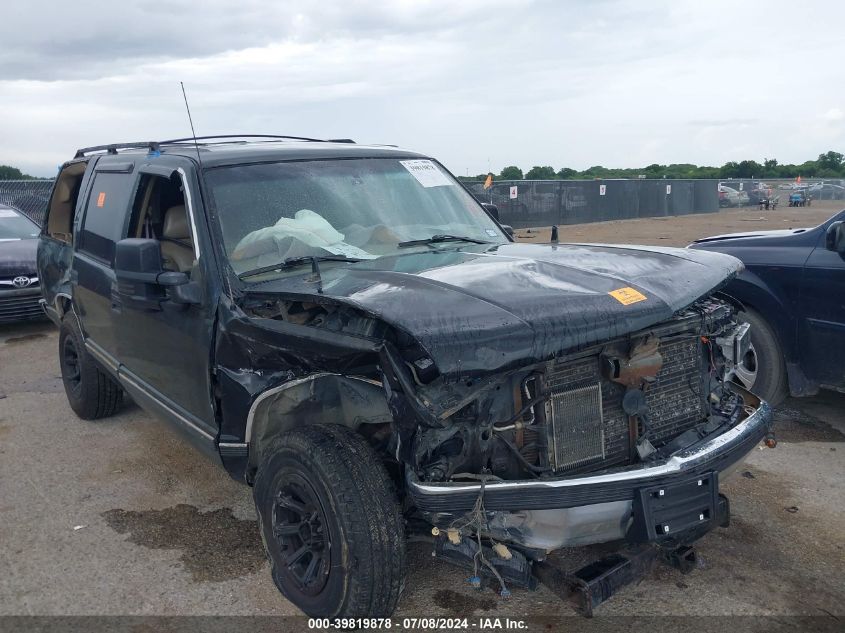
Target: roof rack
(229, 136)
(113, 147)
(155, 146)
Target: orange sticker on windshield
(626, 296)
(101, 199)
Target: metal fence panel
(575, 202)
(681, 197)
(538, 202)
(30, 197)
(705, 196)
(653, 199)
(547, 202)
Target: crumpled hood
(17, 257)
(481, 309)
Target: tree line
(828, 165)
(8, 172)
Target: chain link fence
(530, 203)
(27, 196)
(547, 202)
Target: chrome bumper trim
(716, 454)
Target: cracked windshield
(359, 208)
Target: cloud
(507, 81)
(834, 115)
(738, 122)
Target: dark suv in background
(345, 329)
(792, 292)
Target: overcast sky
(620, 84)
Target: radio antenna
(191, 121)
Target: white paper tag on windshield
(426, 173)
(8, 213)
(342, 248)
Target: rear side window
(105, 214)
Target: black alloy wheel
(330, 523)
(91, 392)
(303, 536)
(70, 366)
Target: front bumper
(20, 305)
(567, 511)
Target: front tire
(762, 371)
(91, 392)
(330, 523)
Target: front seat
(177, 250)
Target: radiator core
(586, 425)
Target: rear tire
(330, 523)
(91, 392)
(765, 359)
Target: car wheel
(330, 523)
(91, 392)
(762, 370)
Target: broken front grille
(585, 422)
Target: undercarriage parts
(596, 582)
(516, 570)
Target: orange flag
(798, 180)
(489, 182)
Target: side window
(60, 211)
(105, 215)
(159, 213)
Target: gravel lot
(121, 516)
(681, 230)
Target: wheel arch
(63, 304)
(751, 292)
(319, 398)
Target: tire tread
(365, 505)
(101, 396)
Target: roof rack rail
(229, 136)
(113, 147)
(155, 146)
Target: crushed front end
(627, 439)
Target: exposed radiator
(577, 428)
(585, 421)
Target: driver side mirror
(141, 281)
(835, 238)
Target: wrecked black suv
(346, 329)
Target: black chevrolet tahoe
(345, 329)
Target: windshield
(15, 226)
(358, 208)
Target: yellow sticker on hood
(626, 296)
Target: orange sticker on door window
(101, 199)
(626, 296)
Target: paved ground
(123, 517)
(681, 230)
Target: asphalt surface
(122, 516)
